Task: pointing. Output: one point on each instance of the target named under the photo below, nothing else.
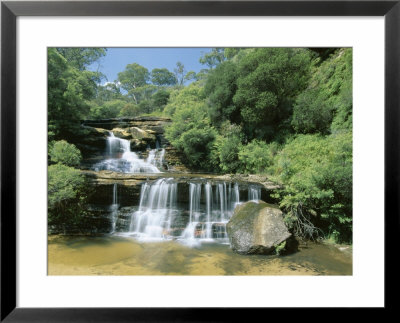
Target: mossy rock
(122, 133)
(257, 228)
(141, 134)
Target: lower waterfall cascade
(203, 217)
(114, 208)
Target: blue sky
(116, 59)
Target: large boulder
(141, 134)
(121, 133)
(257, 228)
(139, 138)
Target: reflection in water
(110, 255)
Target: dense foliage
(191, 131)
(282, 112)
(66, 187)
(268, 82)
(317, 175)
(65, 153)
(326, 104)
(69, 89)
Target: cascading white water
(151, 157)
(115, 192)
(204, 218)
(114, 208)
(254, 193)
(208, 189)
(156, 210)
(122, 159)
(194, 207)
(160, 160)
(210, 222)
(156, 157)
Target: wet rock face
(256, 228)
(102, 195)
(142, 133)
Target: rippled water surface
(112, 255)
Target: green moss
(280, 247)
(250, 208)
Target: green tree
(145, 107)
(231, 52)
(163, 77)
(180, 73)
(326, 105)
(202, 75)
(160, 99)
(144, 93)
(133, 77)
(190, 76)
(129, 110)
(190, 95)
(227, 146)
(257, 156)
(191, 132)
(317, 175)
(108, 109)
(220, 88)
(81, 57)
(269, 80)
(108, 92)
(66, 197)
(213, 58)
(65, 153)
(69, 91)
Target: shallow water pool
(113, 255)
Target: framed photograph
(170, 160)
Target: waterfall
(208, 203)
(114, 208)
(115, 192)
(122, 159)
(254, 193)
(236, 199)
(156, 157)
(208, 209)
(194, 207)
(156, 209)
(209, 221)
(161, 158)
(151, 157)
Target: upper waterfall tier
(120, 158)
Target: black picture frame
(10, 10)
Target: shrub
(257, 156)
(65, 153)
(184, 98)
(196, 145)
(317, 176)
(65, 194)
(191, 133)
(112, 109)
(326, 105)
(160, 99)
(129, 110)
(226, 147)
